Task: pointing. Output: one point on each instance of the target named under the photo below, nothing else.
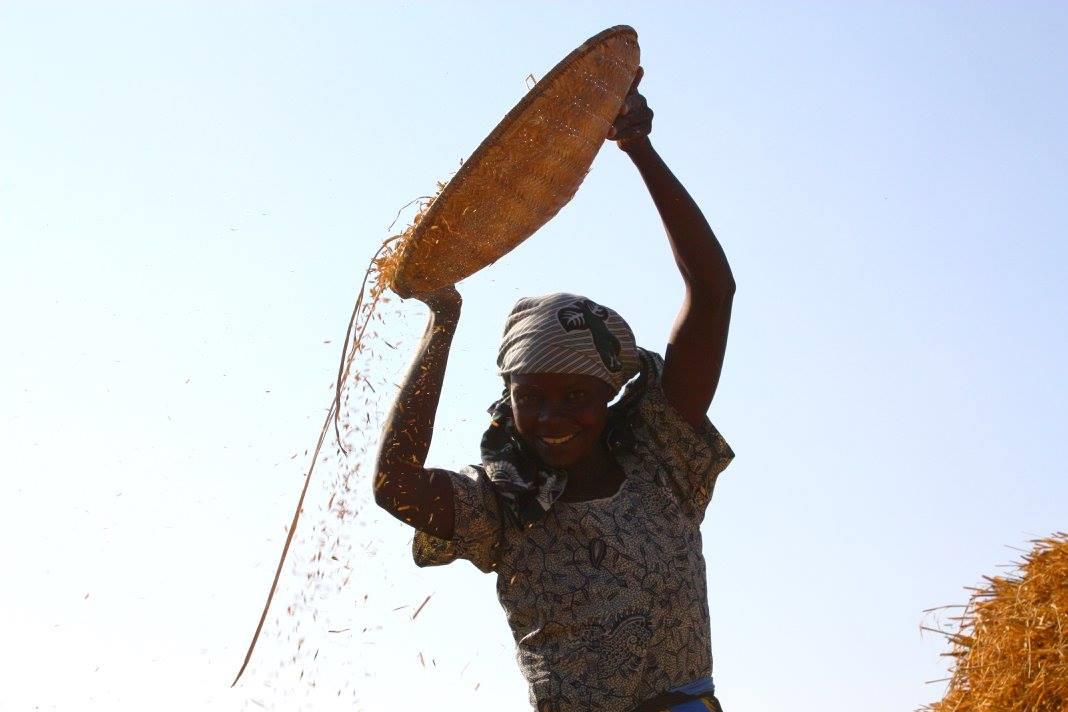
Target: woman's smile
(561, 450)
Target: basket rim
(513, 116)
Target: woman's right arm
(402, 485)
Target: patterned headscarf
(556, 333)
(566, 333)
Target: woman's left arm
(694, 356)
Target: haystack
(1011, 648)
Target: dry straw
(518, 178)
(1011, 649)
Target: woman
(589, 514)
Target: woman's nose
(550, 413)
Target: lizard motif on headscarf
(585, 314)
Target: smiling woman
(589, 513)
(564, 358)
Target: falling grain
(420, 608)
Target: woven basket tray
(526, 170)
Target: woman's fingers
(635, 118)
(635, 110)
(637, 80)
(635, 126)
(628, 100)
(637, 113)
(636, 103)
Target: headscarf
(555, 333)
(567, 333)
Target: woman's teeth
(558, 441)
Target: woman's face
(560, 416)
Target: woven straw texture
(1012, 647)
(525, 171)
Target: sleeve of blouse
(477, 526)
(688, 459)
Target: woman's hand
(444, 301)
(635, 120)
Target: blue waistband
(694, 687)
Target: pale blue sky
(189, 193)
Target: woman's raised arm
(694, 356)
(402, 486)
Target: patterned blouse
(606, 599)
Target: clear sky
(189, 193)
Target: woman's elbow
(729, 286)
(394, 487)
(711, 285)
(713, 295)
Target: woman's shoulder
(687, 458)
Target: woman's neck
(597, 476)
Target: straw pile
(1012, 646)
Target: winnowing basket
(524, 172)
